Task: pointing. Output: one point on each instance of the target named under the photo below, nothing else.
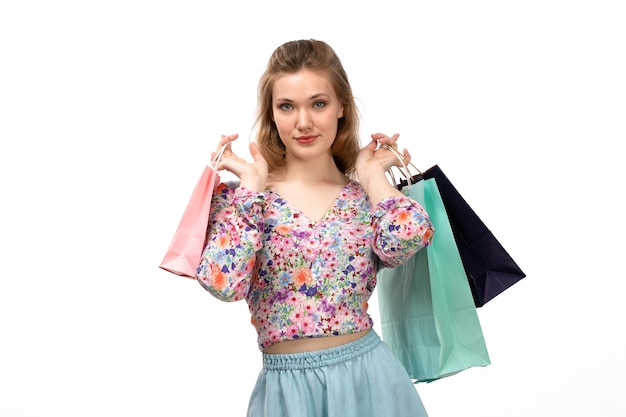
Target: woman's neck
(310, 172)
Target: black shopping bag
(489, 268)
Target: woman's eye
(285, 106)
(319, 104)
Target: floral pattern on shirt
(302, 278)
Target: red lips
(306, 139)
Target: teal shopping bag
(428, 315)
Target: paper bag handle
(405, 171)
(218, 156)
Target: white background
(109, 110)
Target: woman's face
(306, 111)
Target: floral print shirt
(302, 278)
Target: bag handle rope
(218, 156)
(408, 179)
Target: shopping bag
(427, 312)
(489, 267)
(185, 250)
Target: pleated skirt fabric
(358, 379)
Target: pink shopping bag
(183, 255)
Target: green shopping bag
(428, 315)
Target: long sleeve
(233, 238)
(401, 227)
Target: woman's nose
(304, 120)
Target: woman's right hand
(253, 175)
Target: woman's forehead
(304, 83)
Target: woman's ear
(340, 114)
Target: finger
(226, 139)
(382, 138)
(255, 152)
(378, 136)
(407, 155)
(390, 140)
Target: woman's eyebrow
(313, 97)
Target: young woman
(301, 240)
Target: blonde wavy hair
(290, 58)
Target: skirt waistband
(320, 358)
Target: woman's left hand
(372, 164)
(375, 160)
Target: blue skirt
(359, 379)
